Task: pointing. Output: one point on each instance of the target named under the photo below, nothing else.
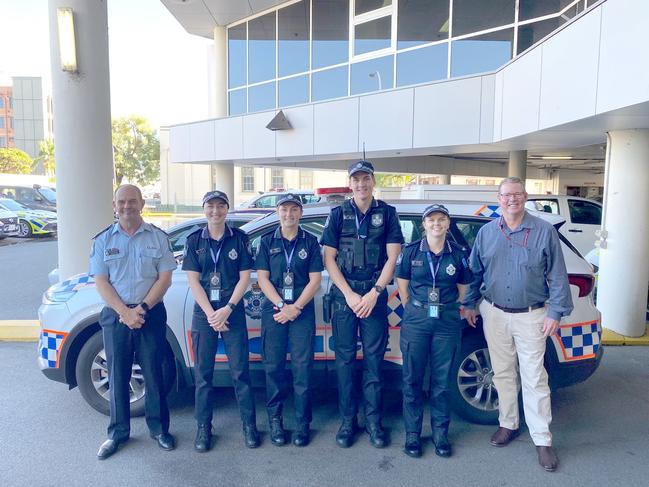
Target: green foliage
(46, 156)
(15, 161)
(136, 151)
(393, 180)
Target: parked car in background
(71, 351)
(30, 222)
(269, 200)
(35, 197)
(8, 223)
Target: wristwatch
(280, 304)
(232, 306)
(144, 306)
(379, 289)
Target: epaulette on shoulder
(158, 228)
(198, 230)
(413, 244)
(104, 230)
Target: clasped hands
(289, 312)
(218, 319)
(362, 306)
(133, 317)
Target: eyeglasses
(512, 195)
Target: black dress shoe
(251, 435)
(277, 433)
(378, 438)
(412, 448)
(346, 432)
(442, 446)
(301, 435)
(165, 441)
(203, 441)
(109, 447)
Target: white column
(223, 178)
(444, 179)
(217, 75)
(82, 134)
(624, 258)
(517, 164)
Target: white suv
(71, 349)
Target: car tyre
(25, 229)
(472, 393)
(92, 377)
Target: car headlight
(53, 296)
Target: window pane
(363, 6)
(373, 35)
(328, 84)
(530, 9)
(547, 206)
(237, 56)
(247, 179)
(422, 65)
(482, 53)
(585, 213)
(530, 34)
(421, 21)
(237, 101)
(372, 75)
(294, 91)
(276, 181)
(330, 32)
(261, 48)
(261, 97)
(293, 31)
(475, 15)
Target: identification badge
(215, 286)
(289, 284)
(359, 253)
(433, 302)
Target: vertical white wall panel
(228, 138)
(179, 144)
(335, 126)
(487, 101)
(258, 141)
(299, 140)
(386, 120)
(201, 141)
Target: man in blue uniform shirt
(132, 263)
(289, 270)
(362, 240)
(218, 264)
(518, 268)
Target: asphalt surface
(48, 435)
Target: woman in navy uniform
(432, 274)
(289, 270)
(218, 264)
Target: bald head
(128, 187)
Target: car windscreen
(12, 205)
(49, 194)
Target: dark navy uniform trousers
(297, 337)
(373, 332)
(427, 340)
(148, 345)
(205, 343)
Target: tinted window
(363, 6)
(49, 194)
(261, 97)
(330, 32)
(476, 15)
(293, 33)
(237, 56)
(421, 21)
(466, 230)
(584, 212)
(331, 83)
(547, 206)
(373, 35)
(266, 202)
(372, 75)
(530, 34)
(178, 237)
(237, 101)
(482, 53)
(530, 9)
(411, 228)
(261, 48)
(422, 65)
(315, 226)
(294, 91)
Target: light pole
(377, 75)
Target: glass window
(547, 206)
(364, 6)
(466, 231)
(277, 178)
(421, 22)
(331, 83)
(237, 56)
(178, 237)
(530, 9)
(411, 228)
(261, 97)
(261, 48)
(372, 75)
(422, 65)
(475, 15)
(294, 91)
(330, 32)
(373, 35)
(306, 182)
(247, 179)
(266, 201)
(482, 53)
(530, 34)
(585, 212)
(237, 101)
(293, 33)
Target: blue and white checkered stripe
(395, 310)
(49, 346)
(580, 341)
(491, 211)
(75, 282)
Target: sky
(157, 69)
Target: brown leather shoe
(503, 436)
(547, 458)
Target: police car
(30, 222)
(71, 351)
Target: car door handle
(575, 230)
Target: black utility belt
(517, 310)
(362, 286)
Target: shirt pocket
(534, 262)
(114, 261)
(149, 261)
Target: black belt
(517, 310)
(419, 304)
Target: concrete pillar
(517, 164)
(444, 178)
(624, 256)
(223, 178)
(218, 91)
(82, 134)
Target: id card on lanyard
(215, 277)
(433, 292)
(288, 278)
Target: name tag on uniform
(215, 286)
(276, 250)
(288, 281)
(433, 302)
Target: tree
(15, 161)
(392, 180)
(46, 156)
(136, 150)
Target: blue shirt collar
(423, 246)
(527, 222)
(142, 228)
(374, 204)
(206, 233)
(278, 233)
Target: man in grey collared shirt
(132, 263)
(519, 270)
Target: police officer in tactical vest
(362, 240)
